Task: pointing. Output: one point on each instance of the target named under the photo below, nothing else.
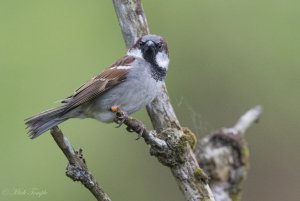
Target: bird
(129, 84)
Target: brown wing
(109, 78)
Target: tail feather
(44, 121)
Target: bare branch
(134, 23)
(224, 156)
(247, 119)
(178, 155)
(77, 169)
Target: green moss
(180, 149)
(235, 196)
(245, 155)
(181, 145)
(177, 148)
(200, 175)
(190, 136)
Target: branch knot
(173, 153)
(77, 173)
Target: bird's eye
(141, 43)
(159, 46)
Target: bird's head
(153, 49)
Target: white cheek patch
(135, 53)
(162, 60)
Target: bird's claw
(119, 124)
(130, 130)
(121, 115)
(140, 130)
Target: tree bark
(179, 155)
(224, 156)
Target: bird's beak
(149, 46)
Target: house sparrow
(129, 84)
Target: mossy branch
(224, 156)
(178, 155)
(170, 143)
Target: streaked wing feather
(99, 84)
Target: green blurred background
(226, 56)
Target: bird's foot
(139, 128)
(121, 115)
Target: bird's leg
(122, 117)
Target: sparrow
(129, 84)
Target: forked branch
(77, 169)
(170, 143)
(224, 156)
